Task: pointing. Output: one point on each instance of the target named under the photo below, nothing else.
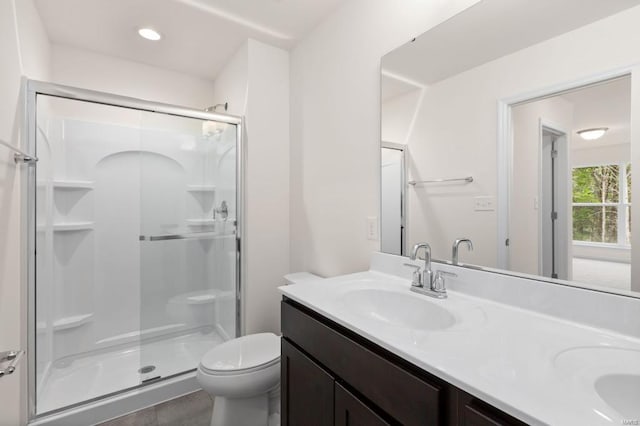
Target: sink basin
(398, 309)
(612, 372)
(621, 392)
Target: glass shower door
(188, 248)
(86, 315)
(135, 241)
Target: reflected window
(602, 204)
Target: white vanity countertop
(538, 368)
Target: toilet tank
(301, 278)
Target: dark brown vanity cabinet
(309, 388)
(332, 376)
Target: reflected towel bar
(467, 179)
(20, 156)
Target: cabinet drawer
(405, 397)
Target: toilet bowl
(243, 376)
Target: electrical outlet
(372, 228)
(484, 204)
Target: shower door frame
(33, 88)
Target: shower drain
(146, 369)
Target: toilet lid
(243, 353)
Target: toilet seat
(243, 355)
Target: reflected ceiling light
(592, 134)
(149, 34)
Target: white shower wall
(101, 186)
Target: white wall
(607, 154)
(89, 70)
(265, 104)
(24, 50)
(267, 190)
(397, 115)
(470, 99)
(11, 312)
(232, 83)
(335, 127)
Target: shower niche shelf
(69, 185)
(73, 226)
(68, 227)
(201, 188)
(65, 323)
(70, 322)
(73, 184)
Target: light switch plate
(372, 228)
(484, 204)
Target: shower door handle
(223, 210)
(9, 361)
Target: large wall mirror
(516, 124)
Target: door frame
(505, 141)
(565, 220)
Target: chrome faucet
(456, 245)
(426, 277)
(425, 281)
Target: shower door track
(31, 89)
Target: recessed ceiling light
(592, 134)
(149, 34)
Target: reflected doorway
(578, 191)
(393, 184)
(554, 212)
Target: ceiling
(199, 36)
(393, 86)
(477, 35)
(602, 105)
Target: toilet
(243, 376)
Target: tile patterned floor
(193, 409)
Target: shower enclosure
(134, 238)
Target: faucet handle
(417, 276)
(438, 280)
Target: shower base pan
(109, 373)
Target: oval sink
(613, 372)
(621, 392)
(398, 309)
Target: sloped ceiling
(199, 36)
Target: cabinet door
(307, 390)
(350, 411)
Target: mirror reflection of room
(529, 160)
(572, 165)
